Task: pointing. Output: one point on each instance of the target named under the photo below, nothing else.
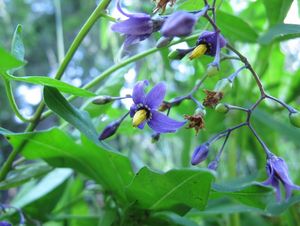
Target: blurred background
(49, 27)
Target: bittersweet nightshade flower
(277, 171)
(137, 27)
(200, 154)
(180, 23)
(145, 109)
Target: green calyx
(221, 108)
(295, 119)
(224, 86)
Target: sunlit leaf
(280, 32)
(17, 46)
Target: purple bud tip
(209, 38)
(179, 24)
(109, 130)
(200, 154)
(5, 223)
(213, 165)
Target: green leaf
(252, 194)
(280, 32)
(168, 191)
(17, 46)
(110, 169)
(8, 61)
(235, 28)
(276, 208)
(51, 82)
(79, 119)
(24, 173)
(189, 5)
(277, 10)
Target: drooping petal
(156, 96)
(133, 39)
(132, 110)
(163, 124)
(134, 26)
(129, 14)
(138, 93)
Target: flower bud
(100, 100)
(224, 86)
(200, 154)
(295, 119)
(5, 223)
(200, 111)
(163, 41)
(212, 70)
(110, 130)
(213, 165)
(221, 108)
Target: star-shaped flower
(145, 109)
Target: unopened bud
(224, 86)
(163, 41)
(5, 223)
(212, 70)
(295, 119)
(110, 130)
(200, 111)
(213, 165)
(100, 100)
(200, 154)
(221, 108)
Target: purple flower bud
(210, 38)
(110, 130)
(5, 223)
(277, 171)
(213, 165)
(179, 24)
(200, 154)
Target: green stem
(59, 31)
(12, 101)
(74, 46)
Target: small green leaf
(51, 82)
(235, 28)
(168, 191)
(189, 5)
(17, 46)
(8, 61)
(280, 32)
(251, 194)
(277, 10)
(110, 169)
(24, 173)
(79, 119)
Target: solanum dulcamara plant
(129, 194)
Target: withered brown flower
(162, 4)
(212, 98)
(195, 121)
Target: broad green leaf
(24, 173)
(17, 46)
(168, 191)
(277, 10)
(51, 82)
(110, 169)
(79, 119)
(253, 194)
(189, 5)
(235, 28)
(8, 61)
(276, 208)
(280, 32)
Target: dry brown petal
(212, 98)
(162, 4)
(195, 121)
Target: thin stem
(232, 107)
(266, 149)
(289, 108)
(74, 46)
(235, 74)
(11, 99)
(222, 148)
(59, 31)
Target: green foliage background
(64, 176)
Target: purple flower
(200, 154)
(5, 223)
(277, 171)
(210, 40)
(145, 109)
(137, 27)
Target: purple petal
(142, 125)
(132, 110)
(138, 93)
(134, 26)
(129, 14)
(156, 96)
(163, 124)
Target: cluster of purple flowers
(140, 26)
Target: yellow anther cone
(198, 51)
(139, 117)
